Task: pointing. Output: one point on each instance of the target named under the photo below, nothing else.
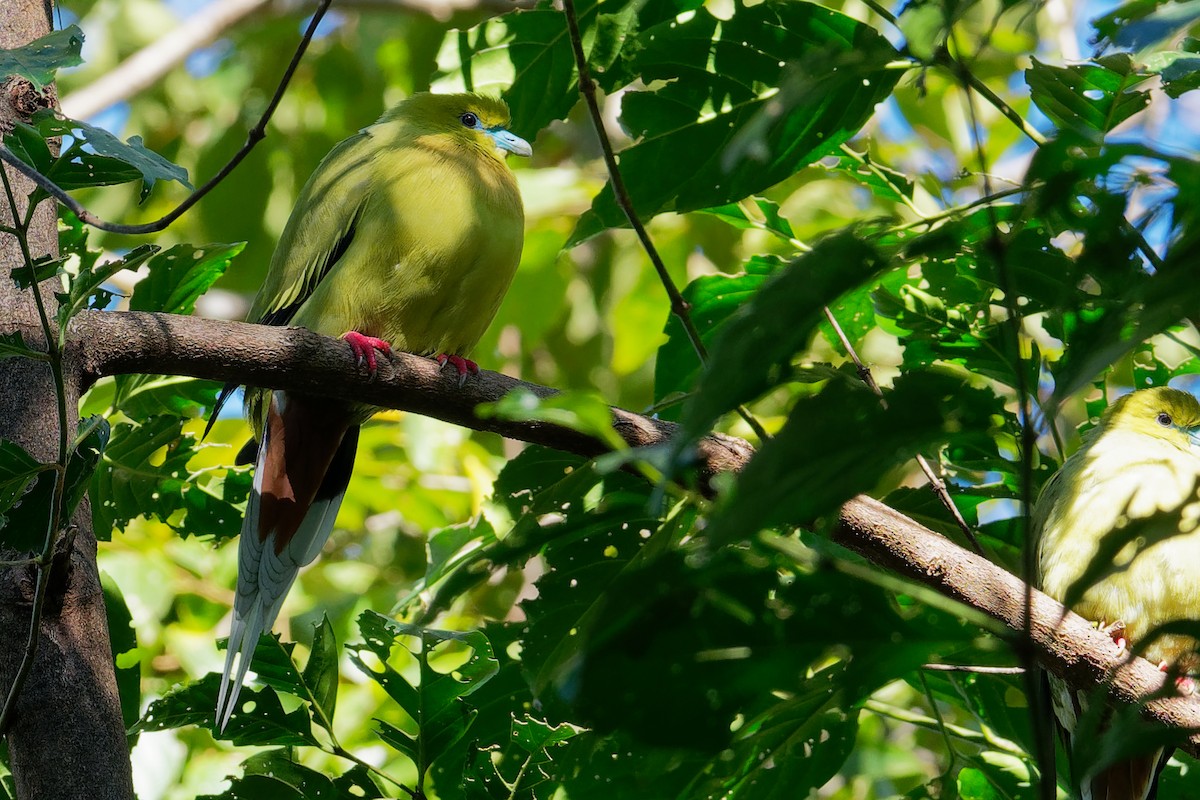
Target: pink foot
(364, 348)
(1183, 683)
(1116, 632)
(460, 364)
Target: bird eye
(469, 119)
(1164, 419)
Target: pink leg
(364, 348)
(460, 364)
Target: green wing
(319, 231)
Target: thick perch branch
(299, 360)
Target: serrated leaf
(179, 275)
(123, 638)
(89, 139)
(585, 413)
(18, 470)
(716, 130)
(759, 341)
(144, 473)
(859, 440)
(40, 59)
(260, 717)
(436, 703)
(1089, 99)
(321, 672)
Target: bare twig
(935, 482)
(976, 669)
(255, 135)
(679, 306)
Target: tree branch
(109, 343)
(112, 343)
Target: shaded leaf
(40, 59)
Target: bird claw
(1183, 683)
(364, 348)
(460, 364)
(1116, 632)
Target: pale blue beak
(509, 142)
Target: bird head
(473, 120)
(1161, 412)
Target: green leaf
(713, 300)
(858, 440)
(1179, 70)
(18, 471)
(85, 286)
(123, 638)
(144, 474)
(716, 130)
(179, 275)
(799, 743)
(30, 502)
(586, 413)
(436, 703)
(150, 165)
(143, 395)
(1089, 99)
(755, 213)
(521, 769)
(758, 342)
(321, 672)
(997, 776)
(1139, 24)
(12, 345)
(40, 59)
(260, 718)
(528, 58)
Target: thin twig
(1038, 705)
(679, 306)
(935, 483)
(256, 134)
(976, 669)
(941, 724)
(45, 561)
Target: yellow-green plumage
(1137, 473)
(406, 236)
(436, 227)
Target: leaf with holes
(436, 702)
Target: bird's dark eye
(1164, 419)
(469, 119)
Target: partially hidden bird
(407, 235)
(1128, 496)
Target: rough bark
(66, 739)
(294, 358)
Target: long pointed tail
(303, 467)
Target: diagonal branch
(110, 343)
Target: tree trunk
(66, 738)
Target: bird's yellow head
(475, 121)
(1161, 412)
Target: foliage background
(622, 654)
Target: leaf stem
(679, 305)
